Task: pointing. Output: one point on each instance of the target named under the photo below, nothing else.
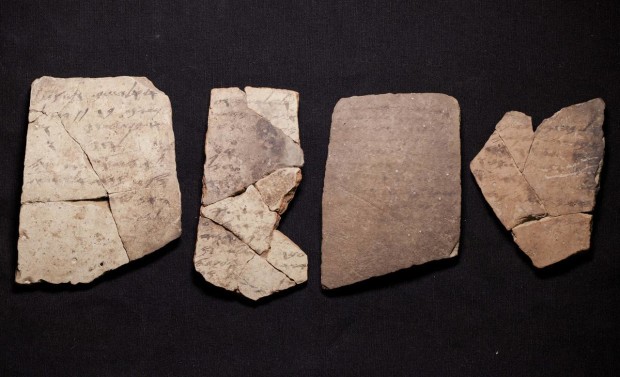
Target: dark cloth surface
(486, 313)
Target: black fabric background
(485, 313)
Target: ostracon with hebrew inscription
(392, 193)
(542, 185)
(251, 172)
(100, 186)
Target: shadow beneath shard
(392, 279)
(562, 267)
(19, 180)
(210, 289)
(505, 233)
(214, 291)
(488, 210)
(107, 276)
(559, 268)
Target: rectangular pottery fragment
(100, 186)
(392, 191)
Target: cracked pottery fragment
(278, 188)
(392, 191)
(251, 172)
(542, 185)
(247, 217)
(100, 186)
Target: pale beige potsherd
(251, 172)
(542, 185)
(246, 216)
(100, 186)
(392, 191)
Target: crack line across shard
(98, 170)
(561, 170)
(251, 172)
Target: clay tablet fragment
(542, 185)
(392, 193)
(100, 186)
(251, 172)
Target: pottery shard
(250, 175)
(545, 201)
(243, 146)
(228, 262)
(288, 258)
(392, 193)
(512, 198)
(552, 239)
(278, 188)
(67, 242)
(247, 217)
(566, 158)
(99, 167)
(279, 107)
(515, 130)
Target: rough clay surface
(247, 217)
(278, 188)
(392, 192)
(552, 239)
(100, 186)
(242, 146)
(251, 172)
(67, 242)
(545, 196)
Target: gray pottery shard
(545, 197)
(243, 146)
(100, 186)
(392, 192)
(251, 172)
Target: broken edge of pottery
(100, 187)
(252, 169)
(542, 185)
(392, 191)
